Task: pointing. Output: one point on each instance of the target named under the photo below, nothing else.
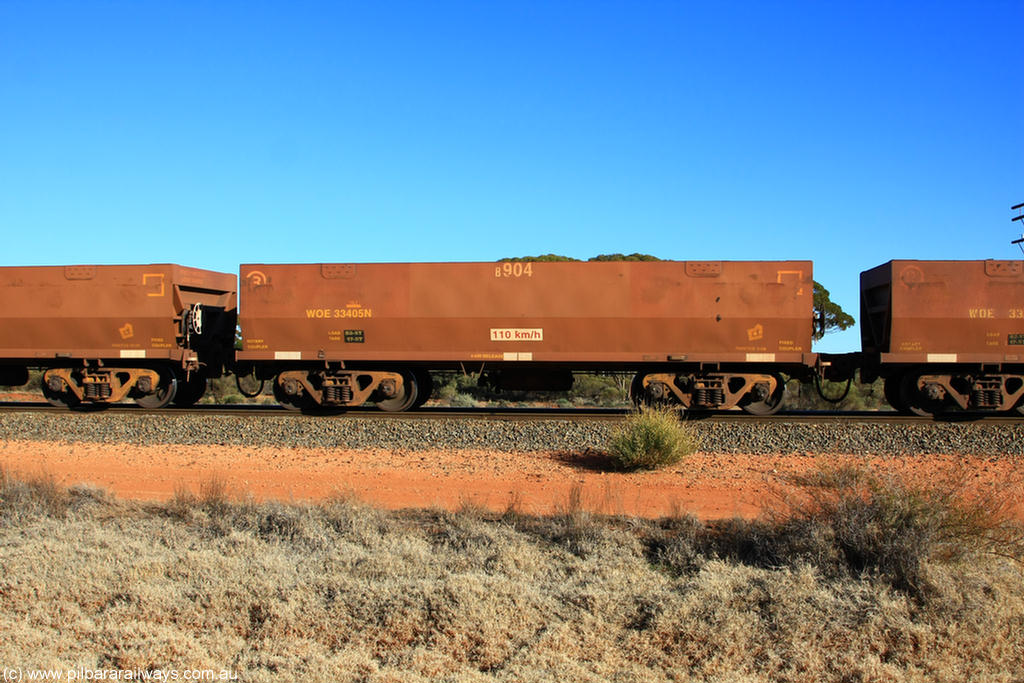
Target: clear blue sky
(216, 133)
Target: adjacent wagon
(945, 334)
(103, 333)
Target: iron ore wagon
(704, 334)
(103, 333)
(945, 334)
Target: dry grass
(347, 592)
(39, 493)
(896, 527)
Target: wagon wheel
(295, 402)
(164, 394)
(190, 390)
(60, 399)
(893, 394)
(405, 399)
(424, 387)
(637, 394)
(915, 401)
(771, 404)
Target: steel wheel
(636, 391)
(190, 391)
(289, 401)
(914, 401)
(163, 395)
(406, 398)
(771, 404)
(894, 395)
(424, 387)
(60, 399)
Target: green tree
(599, 257)
(828, 315)
(541, 258)
(623, 257)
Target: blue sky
(213, 134)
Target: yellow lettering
(514, 270)
(353, 312)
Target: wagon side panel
(618, 312)
(54, 313)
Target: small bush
(607, 390)
(679, 549)
(463, 401)
(448, 391)
(892, 527)
(651, 438)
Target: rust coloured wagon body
(704, 333)
(103, 332)
(945, 333)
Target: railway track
(250, 410)
(507, 430)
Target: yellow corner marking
(146, 277)
(799, 278)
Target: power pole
(1019, 217)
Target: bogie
(928, 394)
(755, 393)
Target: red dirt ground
(707, 484)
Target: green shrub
(461, 400)
(604, 389)
(448, 391)
(651, 438)
(804, 396)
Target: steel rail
(512, 414)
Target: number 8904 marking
(517, 269)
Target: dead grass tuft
(182, 503)
(893, 526)
(513, 508)
(37, 495)
(213, 495)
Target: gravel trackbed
(536, 466)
